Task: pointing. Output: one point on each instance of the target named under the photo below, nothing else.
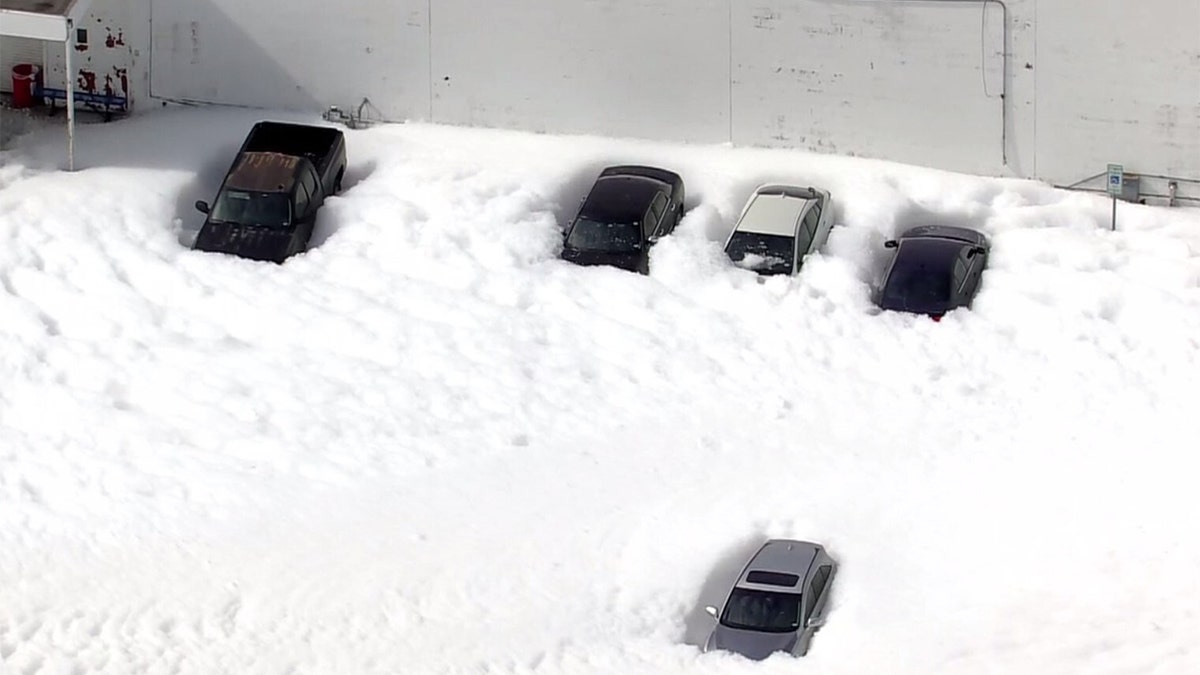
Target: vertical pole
(70, 85)
(1114, 222)
(428, 52)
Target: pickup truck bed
(316, 144)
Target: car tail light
(936, 317)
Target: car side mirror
(652, 239)
(202, 206)
(976, 250)
(712, 611)
(814, 622)
(891, 243)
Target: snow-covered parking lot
(429, 446)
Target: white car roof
(773, 210)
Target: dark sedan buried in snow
(935, 269)
(627, 210)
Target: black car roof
(669, 177)
(920, 278)
(620, 198)
(962, 234)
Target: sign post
(1116, 185)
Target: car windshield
(265, 209)
(764, 611)
(762, 253)
(921, 276)
(593, 235)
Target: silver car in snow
(777, 603)
(778, 227)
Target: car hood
(631, 260)
(751, 644)
(245, 241)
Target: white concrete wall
(1118, 82)
(299, 54)
(915, 80)
(618, 67)
(1085, 82)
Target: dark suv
(626, 211)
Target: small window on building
(81, 36)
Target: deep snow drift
(428, 446)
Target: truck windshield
(762, 253)
(592, 235)
(264, 209)
(764, 611)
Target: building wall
(916, 80)
(1123, 85)
(299, 54)
(656, 68)
(1052, 89)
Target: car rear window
(772, 578)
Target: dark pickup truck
(268, 202)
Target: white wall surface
(303, 54)
(1086, 81)
(918, 80)
(644, 68)
(1118, 82)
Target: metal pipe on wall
(69, 77)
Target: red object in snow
(24, 81)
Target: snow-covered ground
(428, 446)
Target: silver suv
(777, 603)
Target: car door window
(649, 223)
(658, 207)
(300, 208)
(820, 579)
(962, 266)
(310, 182)
(804, 237)
(973, 274)
(810, 598)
